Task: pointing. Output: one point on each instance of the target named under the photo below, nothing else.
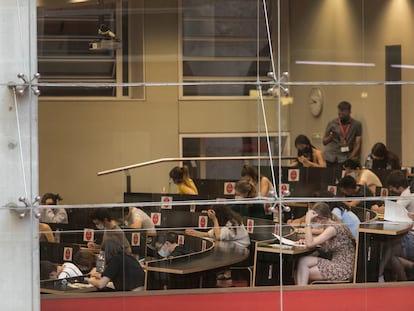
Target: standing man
(342, 139)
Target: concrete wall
(19, 261)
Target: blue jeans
(407, 244)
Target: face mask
(100, 226)
(164, 253)
(238, 197)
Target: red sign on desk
(67, 253)
(332, 189)
(156, 218)
(166, 202)
(276, 229)
(88, 235)
(202, 221)
(293, 175)
(284, 188)
(250, 225)
(229, 188)
(135, 239)
(384, 192)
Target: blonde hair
(323, 210)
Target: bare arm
(137, 224)
(264, 186)
(328, 138)
(357, 148)
(310, 240)
(196, 233)
(47, 232)
(99, 282)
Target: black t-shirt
(125, 272)
(364, 191)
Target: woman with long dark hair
(227, 226)
(308, 155)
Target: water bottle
(368, 162)
(100, 262)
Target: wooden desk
(222, 254)
(62, 286)
(385, 227)
(271, 256)
(369, 247)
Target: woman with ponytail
(181, 177)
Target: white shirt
(69, 271)
(227, 233)
(138, 214)
(407, 203)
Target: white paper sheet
(287, 241)
(396, 212)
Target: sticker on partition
(67, 253)
(180, 239)
(293, 175)
(250, 225)
(88, 235)
(203, 245)
(135, 239)
(202, 221)
(156, 218)
(284, 188)
(332, 189)
(166, 202)
(192, 208)
(384, 192)
(230, 188)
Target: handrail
(163, 160)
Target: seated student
(55, 215)
(46, 233)
(227, 226)
(181, 177)
(84, 260)
(382, 158)
(112, 232)
(399, 251)
(121, 268)
(335, 239)
(264, 186)
(362, 176)
(136, 218)
(349, 188)
(344, 214)
(245, 189)
(308, 155)
(49, 270)
(167, 246)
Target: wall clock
(315, 101)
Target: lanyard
(344, 131)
